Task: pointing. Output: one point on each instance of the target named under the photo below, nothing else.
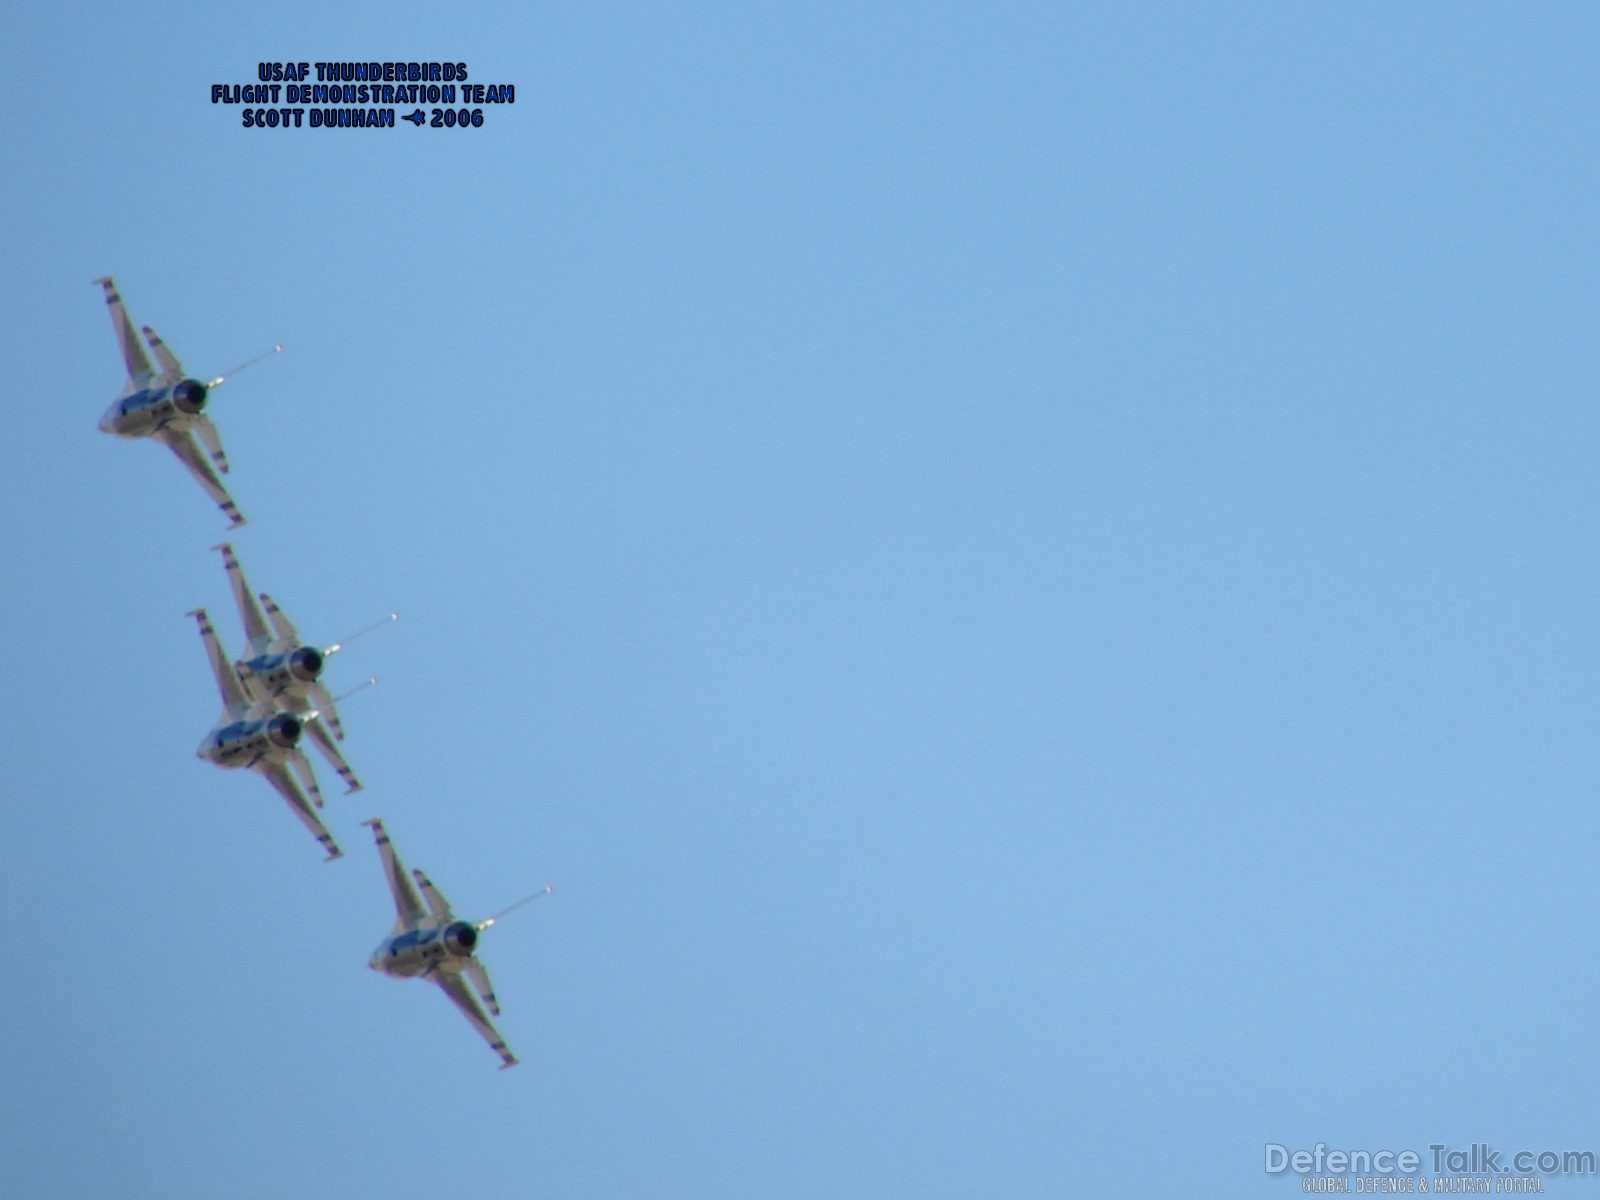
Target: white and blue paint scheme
(429, 941)
(167, 405)
(280, 668)
(263, 737)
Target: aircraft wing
(457, 991)
(406, 905)
(255, 622)
(188, 451)
(234, 702)
(278, 776)
(140, 374)
(437, 904)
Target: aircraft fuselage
(425, 949)
(280, 676)
(143, 413)
(245, 742)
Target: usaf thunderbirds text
(360, 95)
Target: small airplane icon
(432, 943)
(168, 405)
(261, 736)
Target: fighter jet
(433, 944)
(261, 736)
(168, 405)
(281, 669)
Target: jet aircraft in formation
(282, 669)
(168, 405)
(274, 695)
(433, 943)
(263, 736)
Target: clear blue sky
(1028, 572)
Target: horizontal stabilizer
(171, 368)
